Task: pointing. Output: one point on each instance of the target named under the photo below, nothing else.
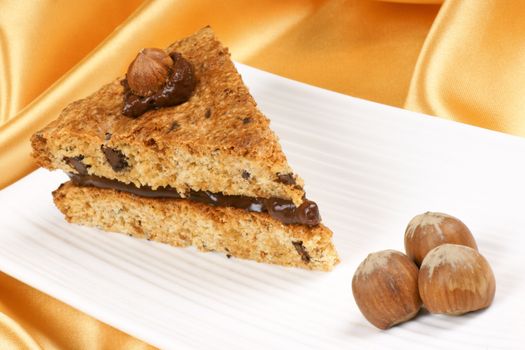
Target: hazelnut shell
(385, 288)
(455, 279)
(148, 72)
(429, 230)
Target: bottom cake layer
(182, 223)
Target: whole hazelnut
(429, 230)
(385, 288)
(455, 279)
(149, 71)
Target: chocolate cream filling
(280, 209)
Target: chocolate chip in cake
(150, 142)
(107, 136)
(246, 175)
(287, 179)
(228, 256)
(247, 120)
(174, 126)
(77, 163)
(115, 158)
(207, 114)
(302, 251)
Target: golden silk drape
(461, 60)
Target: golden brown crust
(205, 144)
(179, 222)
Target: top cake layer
(217, 141)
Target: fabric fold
(469, 69)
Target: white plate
(370, 167)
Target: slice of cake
(178, 152)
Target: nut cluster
(453, 278)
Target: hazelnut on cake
(178, 152)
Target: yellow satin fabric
(32, 320)
(465, 65)
(471, 68)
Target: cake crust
(218, 140)
(182, 223)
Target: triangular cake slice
(207, 172)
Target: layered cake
(177, 152)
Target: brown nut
(429, 230)
(385, 288)
(149, 71)
(455, 279)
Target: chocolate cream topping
(280, 209)
(178, 89)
